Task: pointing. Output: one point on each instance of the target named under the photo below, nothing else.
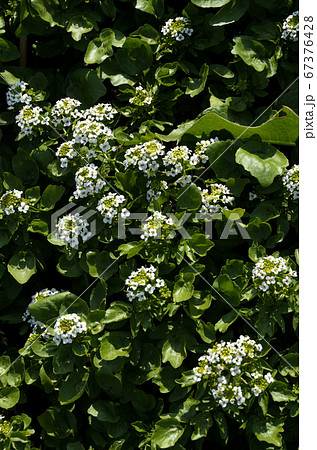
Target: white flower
(291, 181)
(268, 377)
(67, 328)
(70, 227)
(35, 324)
(256, 390)
(19, 93)
(252, 196)
(291, 27)
(28, 118)
(177, 28)
(12, 202)
(87, 182)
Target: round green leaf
(22, 266)
(167, 432)
(9, 397)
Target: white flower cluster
(142, 97)
(87, 182)
(70, 227)
(101, 112)
(291, 27)
(66, 152)
(145, 157)
(28, 117)
(215, 198)
(108, 207)
(176, 158)
(35, 324)
(67, 328)
(199, 155)
(64, 111)
(252, 196)
(234, 371)
(19, 93)
(157, 226)
(155, 189)
(143, 283)
(184, 180)
(291, 181)
(177, 29)
(273, 275)
(93, 132)
(12, 202)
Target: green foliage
(107, 360)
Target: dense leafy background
(121, 387)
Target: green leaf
(269, 431)
(280, 392)
(258, 230)
(189, 197)
(38, 226)
(25, 167)
(200, 244)
(174, 350)
(9, 397)
(154, 7)
(210, 3)
(78, 25)
(73, 387)
(254, 54)
(100, 48)
(134, 57)
(222, 424)
(265, 211)
(63, 360)
(101, 265)
(116, 312)
(114, 344)
(167, 432)
(50, 196)
(224, 323)
(12, 182)
(104, 411)
(8, 51)
(202, 422)
(231, 12)
(22, 266)
(279, 130)
(147, 33)
(229, 289)
(195, 86)
(69, 268)
(222, 71)
(131, 248)
(183, 290)
(85, 86)
(50, 307)
(49, 11)
(4, 238)
(263, 161)
(289, 365)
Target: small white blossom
(177, 29)
(12, 202)
(291, 27)
(71, 227)
(108, 207)
(67, 328)
(88, 181)
(291, 181)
